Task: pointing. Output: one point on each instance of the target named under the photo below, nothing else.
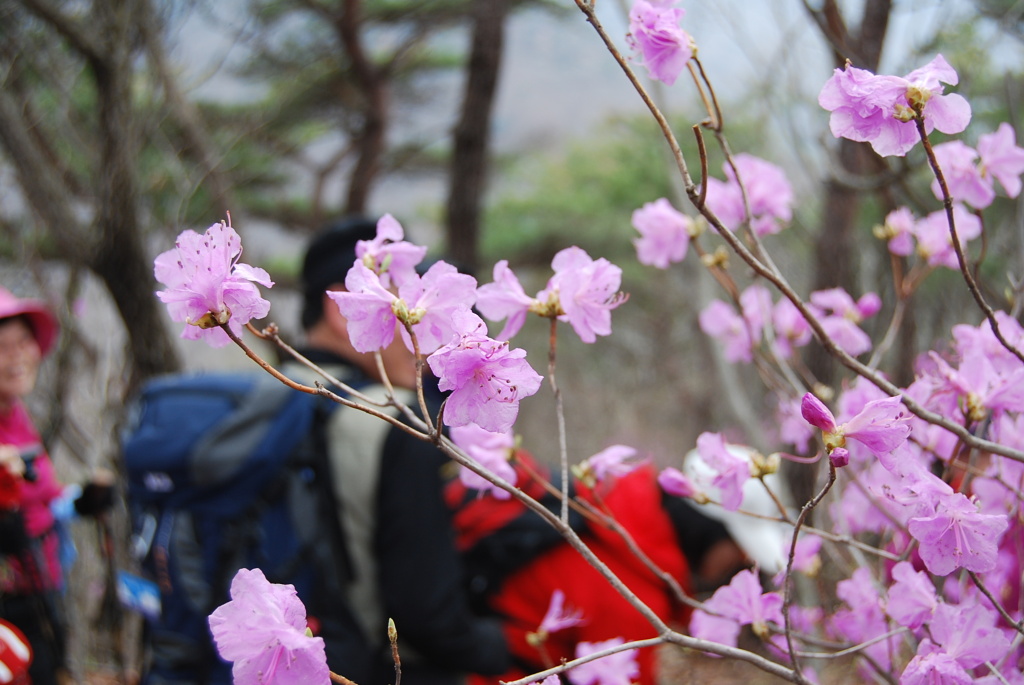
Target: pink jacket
(16, 429)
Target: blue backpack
(230, 471)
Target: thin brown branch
(703, 152)
(788, 583)
(947, 202)
(79, 39)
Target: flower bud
(839, 457)
(761, 466)
(718, 258)
(918, 97)
(211, 319)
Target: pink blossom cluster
(901, 481)
(929, 238)
(207, 286)
(971, 174)
(657, 39)
(619, 667)
(262, 631)
(755, 183)
(741, 602)
(881, 110)
(491, 450)
(664, 234)
(740, 333)
(582, 292)
(945, 525)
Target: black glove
(13, 538)
(95, 499)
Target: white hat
(764, 541)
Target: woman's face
(19, 360)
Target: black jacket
(419, 573)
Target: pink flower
(935, 242)
(793, 429)
(582, 291)
(587, 291)
(982, 340)
(664, 234)
(958, 536)
(962, 637)
(720, 321)
(427, 303)
(207, 286)
(619, 668)
(487, 379)
(979, 386)
(740, 334)
(898, 231)
(912, 599)
(768, 193)
(368, 307)
(729, 471)
(558, 617)
(863, 107)
(864, 620)
(806, 558)
(839, 316)
(963, 177)
(932, 665)
(1001, 158)
(882, 426)
(910, 490)
(676, 483)
(611, 462)
(723, 631)
(880, 109)
(859, 510)
(654, 32)
(969, 632)
(505, 299)
(388, 255)
(791, 328)
(263, 631)
(743, 602)
(432, 302)
(490, 450)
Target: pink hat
(44, 324)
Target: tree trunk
(370, 140)
(118, 257)
(468, 177)
(836, 257)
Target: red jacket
(524, 596)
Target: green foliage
(584, 196)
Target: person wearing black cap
(389, 486)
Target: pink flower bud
(817, 414)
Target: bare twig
(1016, 625)
(947, 202)
(788, 582)
(563, 445)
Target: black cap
(330, 255)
